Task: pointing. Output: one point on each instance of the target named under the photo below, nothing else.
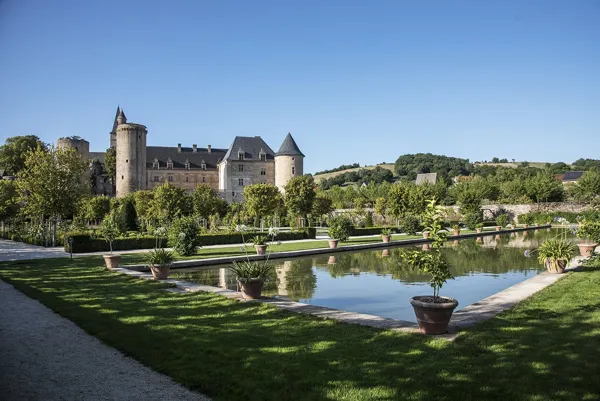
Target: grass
(547, 348)
(320, 177)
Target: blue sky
(353, 81)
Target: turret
(79, 144)
(289, 162)
(121, 119)
(131, 158)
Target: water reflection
(380, 282)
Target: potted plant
(251, 276)
(160, 260)
(556, 254)
(386, 234)
(340, 228)
(425, 234)
(456, 229)
(260, 243)
(479, 228)
(110, 230)
(433, 312)
(589, 231)
(502, 221)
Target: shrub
(502, 220)
(473, 219)
(183, 235)
(340, 228)
(369, 219)
(410, 224)
(526, 219)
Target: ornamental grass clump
(555, 253)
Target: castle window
(263, 171)
(203, 179)
(232, 193)
(241, 155)
(122, 177)
(241, 182)
(127, 161)
(156, 178)
(170, 178)
(155, 163)
(203, 165)
(169, 163)
(241, 168)
(293, 170)
(187, 179)
(262, 155)
(187, 164)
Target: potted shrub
(456, 229)
(556, 254)
(110, 230)
(433, 312)
(502, 221)
(260, 243)
(589, 231)
(425, 234)
(340, 228)
(386, 234)
(160, 260)
(251, 276)
(479, 228)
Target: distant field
(512, 165)
(389, 166)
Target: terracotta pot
(385, 253)
(252, 288)
(333, 243)
(426, 247)
(425, 234)
(433, 318)
(160, 272)
(112, 261)
(478, 230)
(548, 229)
(498, 228)
(587, 249)
(261, 249)
(496, 237)
(455, 242)
(555, 266)
(331, 260)
(456, 233)
(525, 233)
(525, 225)
(479, 239)
(386, 238)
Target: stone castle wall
(489, 211)
(287, 167)
(80, 145)
(131, 158)
(251, 174)
(186, 179)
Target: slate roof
(251, 146)
(426, 177)
(289, 147)
(162, 153)
(570, 176)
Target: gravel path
(44, 356)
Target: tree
(205, 201)
(397, 202)
(170, 202)
(110, 162)
(495, 160)
(95, 208)
(544, 188)
(9, 198)
(381, 207)
(300, 194)
(143, 207)
(412, 164)
(322, 206)
(588, 186)
(52, 182)
(14, 152)
(261, 200)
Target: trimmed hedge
(544, 217)
(86, 243)
(30, 240)
(356, 231)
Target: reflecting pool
(378, 282)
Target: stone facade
(131, 158)
(236, 174)
(489, 211)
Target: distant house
(569, 176)
(426, 178)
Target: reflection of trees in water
(300, 279)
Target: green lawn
(547, 348)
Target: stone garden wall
(490, 211)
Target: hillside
(320, 177)
(511, 165)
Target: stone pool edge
(470, 315)
(210, 262)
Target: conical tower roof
(289, 147)
(115, 124)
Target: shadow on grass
(547, 348)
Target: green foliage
(548, 217)
(206, 201)
(300, 195)
(110, 162)
(473, 219)
(170, 202)
(588, 186)
(340, 228)
(143, 201)
(362, 176)
(95, 208)
(259, 240)
(410, 224)
(381, 206)
(110, 230)
(586, 164)
(261, 200)
(526, 219)
(589, 229)
(386, 231)
(322, 205)
(410, 165)
(13, 153)
(160, 257)
(251, 270)
(502, 219)
(183, 235)
(555, 250)
(470, 194)
(340, 168)
(369, 219)
(52, 182)
(9, 199)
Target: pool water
(378, 282)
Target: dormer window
(155, 163)
(262, 156)
(240, 154)
(187, 164)
(203, 165)
(169, 163)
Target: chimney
(194, 148)
(178, 148)
(208, 149)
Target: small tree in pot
(502, 221)
(433, 312)
(340, 228)
(456, 230)
(589, 231)
(110, 230)
(160, 261)
(479, 227)
(386, 234)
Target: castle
(248, 160)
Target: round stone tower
(131, 158)
(289, 162)
(79, 144)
